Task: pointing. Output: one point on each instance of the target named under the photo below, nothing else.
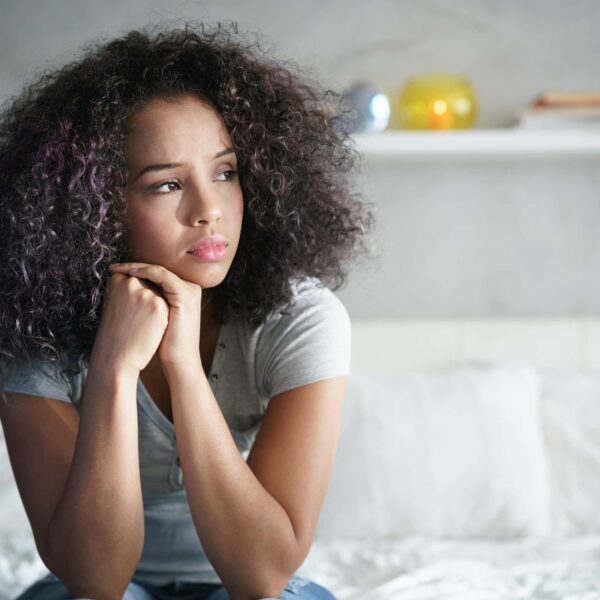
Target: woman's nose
(205, 205)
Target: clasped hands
(181, 340)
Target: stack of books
(562, 110)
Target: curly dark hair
(63, 172)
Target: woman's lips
(210, 252)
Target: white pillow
(446, 454)
(571, 419)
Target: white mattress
(413, 568)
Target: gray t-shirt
(250, 365)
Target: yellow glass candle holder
(435, 101)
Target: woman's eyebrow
(160, 167)
(157, 168)
(223, 152)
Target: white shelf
(479, 144)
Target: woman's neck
(207, 312)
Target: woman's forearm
(246, 533)
(96, 535)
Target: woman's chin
(207, 280)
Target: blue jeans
(51, 587)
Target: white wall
(466, 238)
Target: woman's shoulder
(308, 341)
(313, 311)
(311, 292)
(312, 305)
(38, 377)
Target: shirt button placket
(221, 347)
(176, 474)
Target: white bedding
(413, 568)
(419, 568)
(379, 489)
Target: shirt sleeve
(41, 378)
(309, 343)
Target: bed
(467, 466)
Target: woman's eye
(229, 174)
(161, 185)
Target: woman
(177, 213)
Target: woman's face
(182, 186)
